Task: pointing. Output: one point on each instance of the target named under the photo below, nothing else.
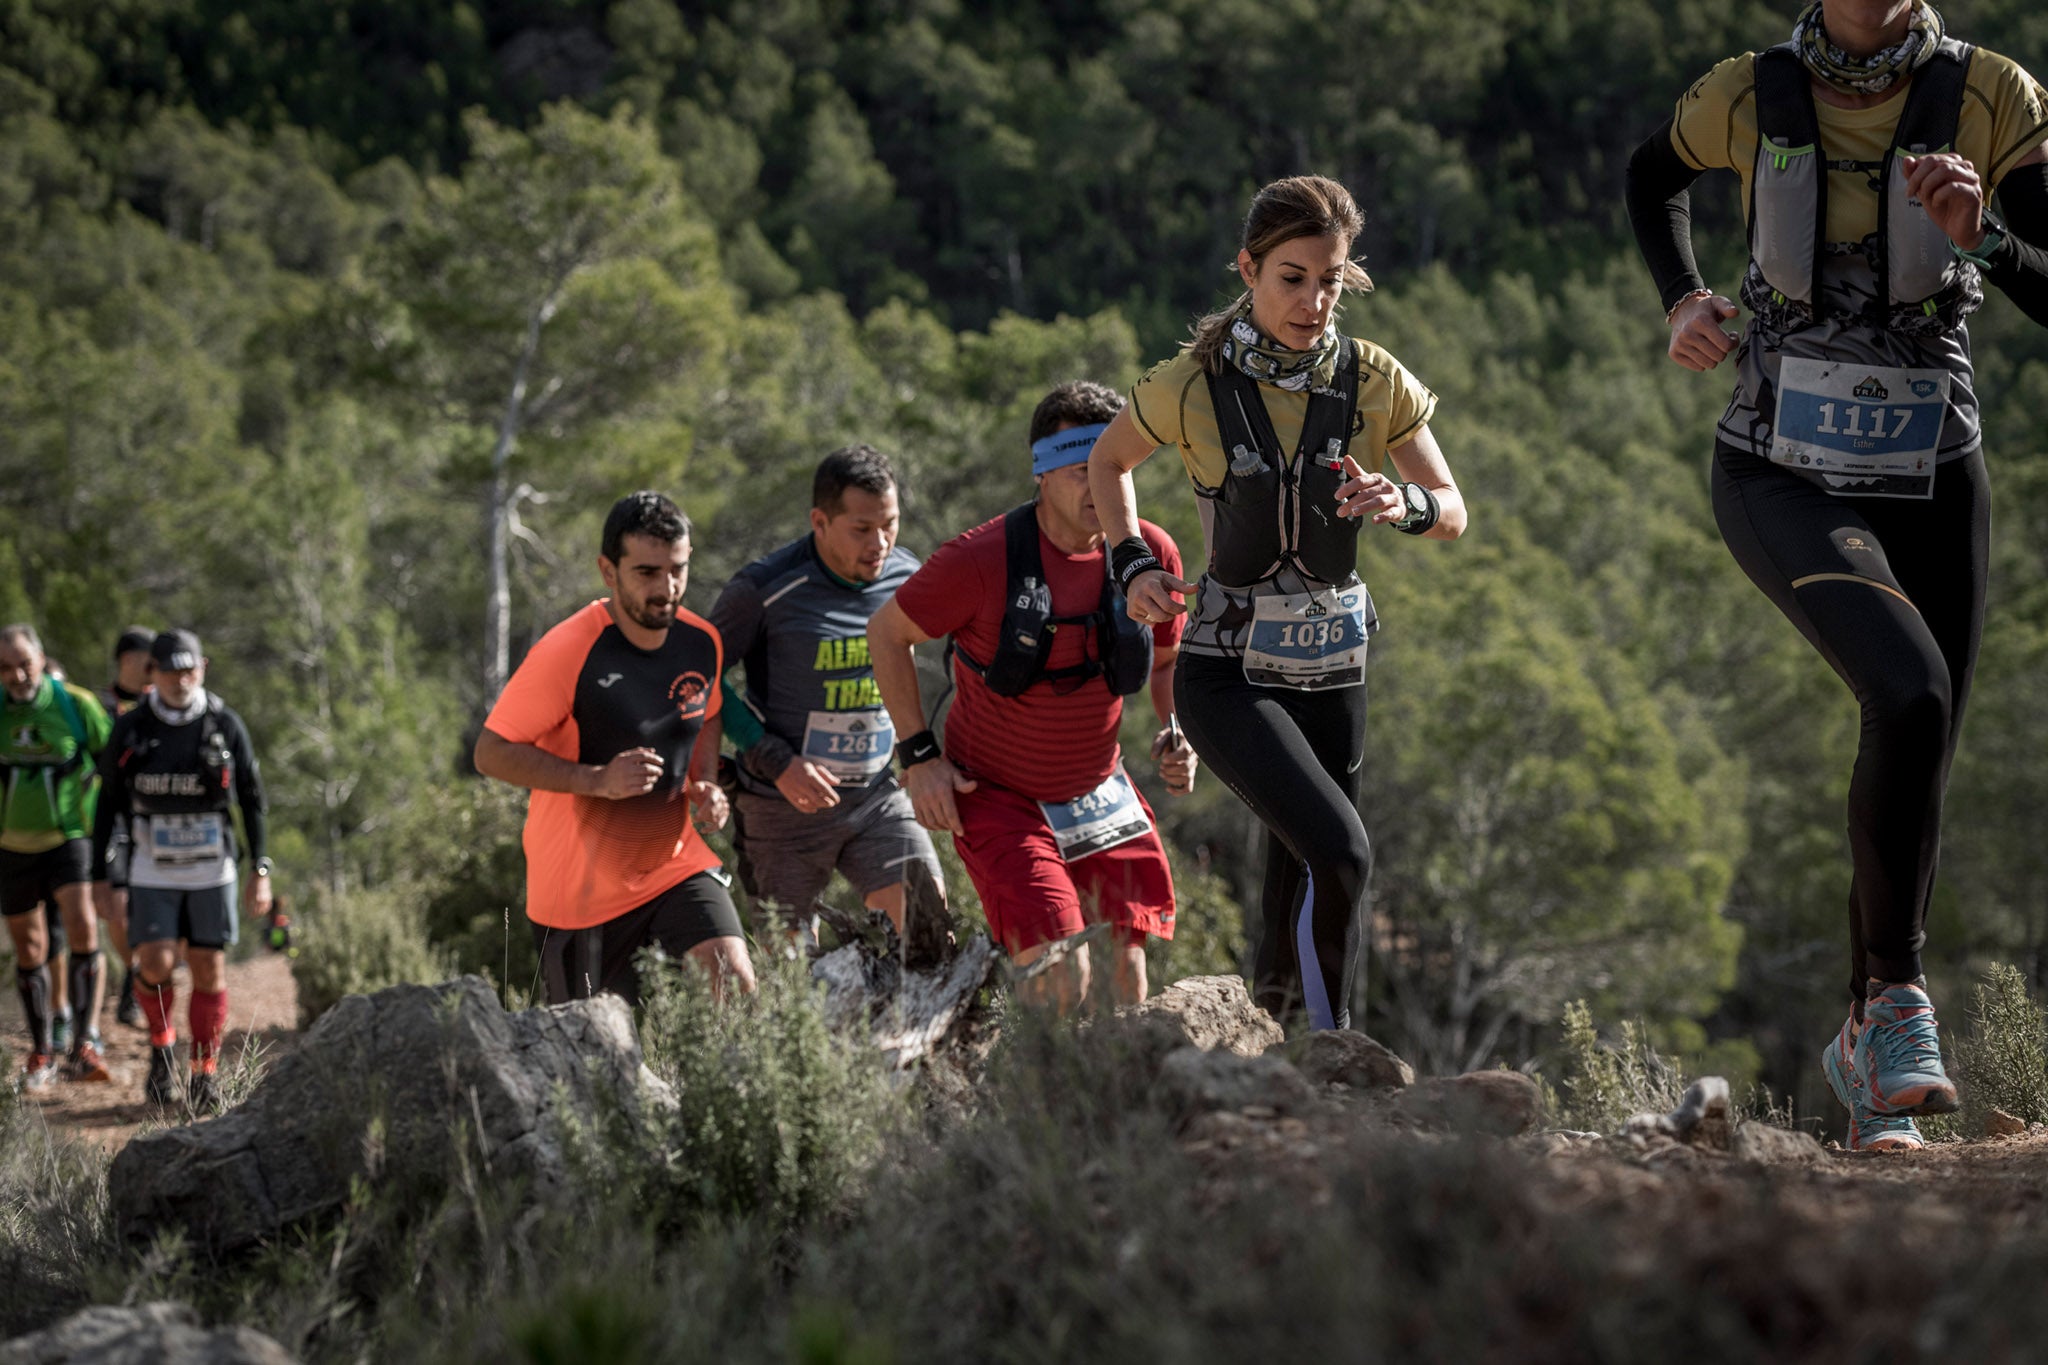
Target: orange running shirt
(586, 694)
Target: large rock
(1209, 1012)
(1199, 1082)
(391, 1087)
(153, 1334)
(1489, 1103)
(1706, 1121)
(1345, 1056)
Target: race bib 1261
(854, 746)
(1860, 430)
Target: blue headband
(1063, 448)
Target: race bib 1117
(1858, 430)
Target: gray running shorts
(203, 916)
(791, 856)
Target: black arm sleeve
(249, 792)
(1660, 211)
(113, 799)
(2020, 266)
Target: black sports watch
(921, 747)
(262, 867)
(1422, 512)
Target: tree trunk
(498, 604)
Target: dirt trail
(263, 1012)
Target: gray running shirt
(802, 636)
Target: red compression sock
(208, 1016)
(156, 1002)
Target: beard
(650, 615)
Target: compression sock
(208, 1016)
(85, 991)
(157, 1001)
(34, 985)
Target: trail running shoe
(1868, 1132)
(86, 1064)
(204, 1095)
(1898, 1055)
(129, 1011)
(38, 1071)
(162, 1085)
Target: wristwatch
(1994, 238)
(262, 868)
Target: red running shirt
(587, 694)
(1042, 745)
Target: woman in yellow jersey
(1283, 424)
(1848, 476)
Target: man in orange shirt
(611, 721)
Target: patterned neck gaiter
(1268, 362)
(1873, 74)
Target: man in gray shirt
(815, 789)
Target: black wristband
(921, 747)
(1130, 557)
(1418, 519)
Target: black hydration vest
(1273, 511)
(1918, 277)
(1123, 647)
(202, 784)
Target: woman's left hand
(1369, 495)
(1952, 193)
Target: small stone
(1998, 1123)
(1346, 1057)
(1770, 1146)
(1492, 1103)
(167, 1333)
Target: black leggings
(1891, 592)
(1293, 757)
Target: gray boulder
(1208, 1012)
(1482, 1103)
(1197, 1082)
(1345, 1056)
(397, 1087)
(153, 1334)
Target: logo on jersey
(689, 692)
(608, 679)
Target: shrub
(1208, 929)
(2001, 1056)
(363, 942)
(1603, 1087)
(777, 1114)
(53, 1217)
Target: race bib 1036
(1309, 640)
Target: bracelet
(921, 747)
(1994, 238)
(1701, 293)
(1423, 510)
(1130, 557)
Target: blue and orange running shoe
(1868, 1132)
(1898, 1054)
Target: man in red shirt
(611, 721)
(1031, 780)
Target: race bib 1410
(1101, 819)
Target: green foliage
(2001, 1060)
(53, 1216)
(362, 942)
(1208, 929)
(777, 1117)
(1602, 1086)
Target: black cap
(133, 639)
(176, 650)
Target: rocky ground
(262, 1022)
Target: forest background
(304, 309)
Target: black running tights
(1293, 757)
(1891, 592)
